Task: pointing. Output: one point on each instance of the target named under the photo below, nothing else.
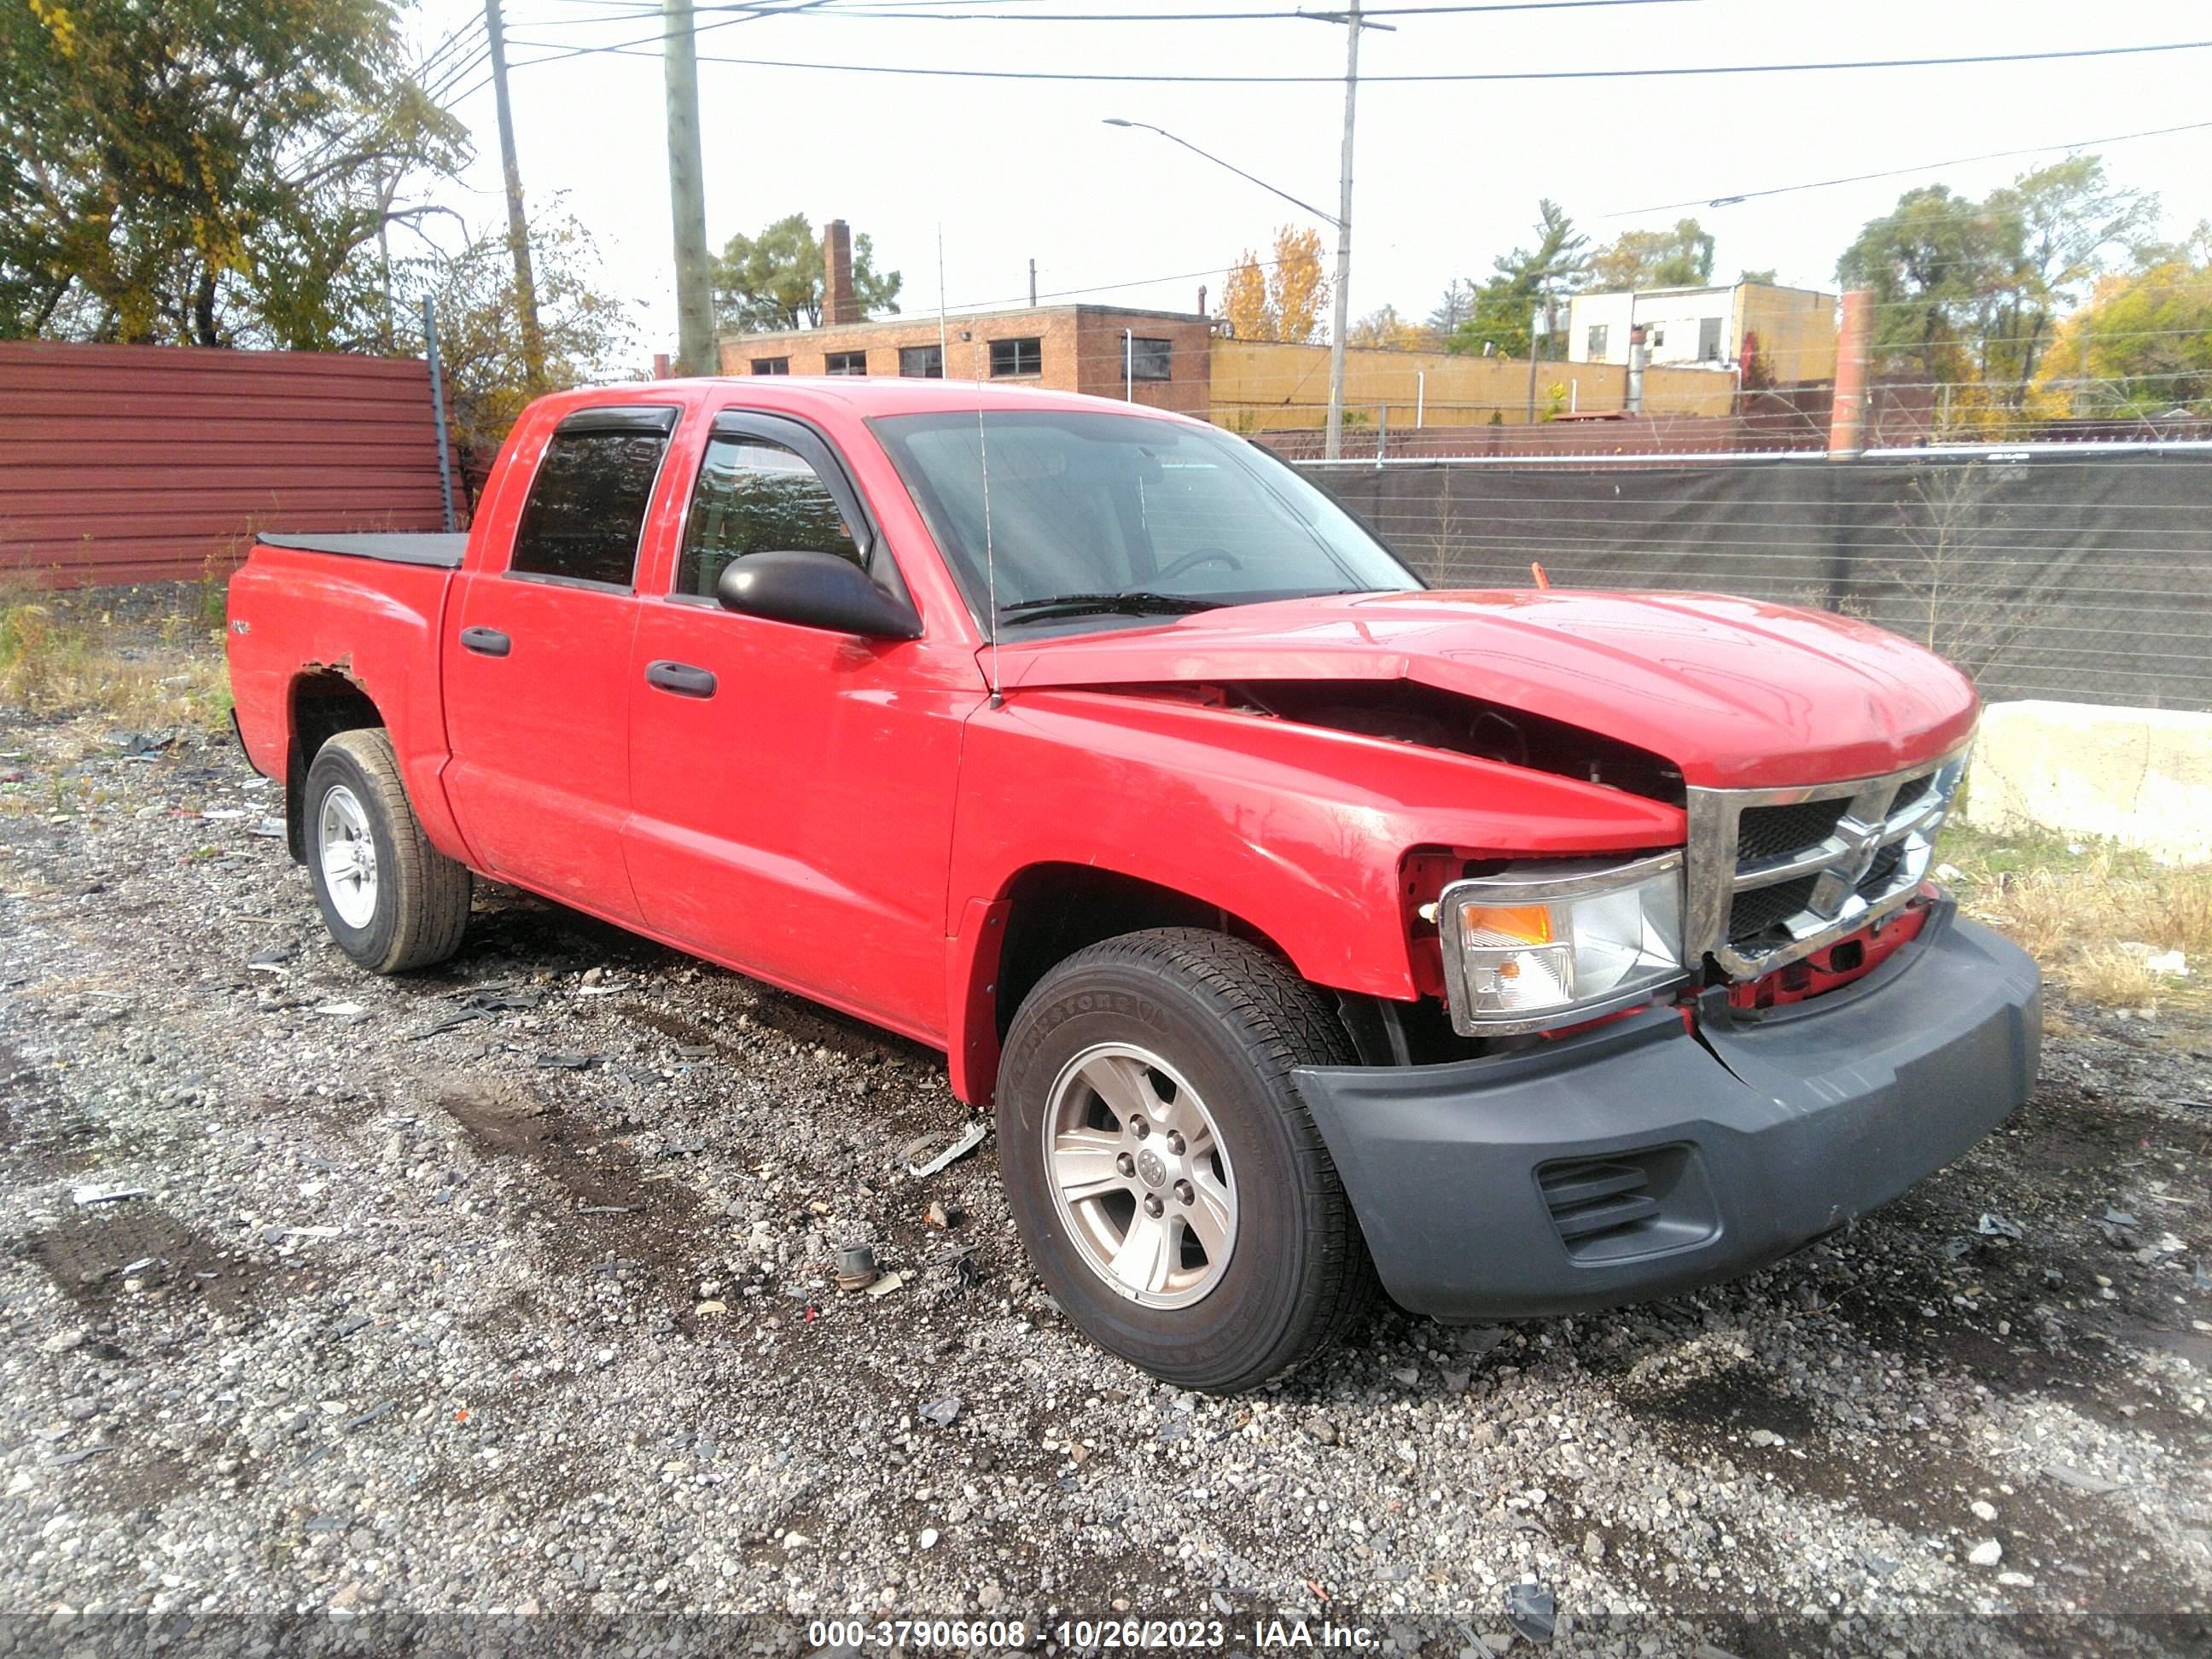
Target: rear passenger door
(535, 669)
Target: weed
(64, 654)
(2090, 912)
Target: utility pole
(518, 223)
(1333, 445)
(1032, 285)
(687, 195)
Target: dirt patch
(92, 1255)
(611, 1214)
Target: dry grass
(63, 654)
(2090, 913)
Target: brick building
(1156, 357)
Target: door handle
(486, 641)
(680, 678)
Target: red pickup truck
(1529, 951)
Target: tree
(1930, 263)
(775, 281)
(1972, 291)
(1384, 330)
(1455, 308)
(1638, 259)
(1767, 277)
(206, 171)
(2058, 228)
(2142, 346)
(1281, 303)
(590, 335)
(1525, 284)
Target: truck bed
(439, 550)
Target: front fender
(1300, 830)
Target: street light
(1341, 224)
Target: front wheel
(1172, 1189)
(391, 900)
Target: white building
(1793, 329)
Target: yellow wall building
(1263, 386)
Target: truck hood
(1735, 693)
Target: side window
(586, 506)
(757, 496)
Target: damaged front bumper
(1640, 1159)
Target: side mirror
(814, 590)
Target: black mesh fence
(2082, 577)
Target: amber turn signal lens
(1487, 923)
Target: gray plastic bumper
(1638, 1161)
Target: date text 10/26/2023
(1169, 1635)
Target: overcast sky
(1448, 175)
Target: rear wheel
(1172, 1189)
(391, 900)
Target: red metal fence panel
(125, 464)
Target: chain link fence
(2085, 577)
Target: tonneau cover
(442, 550)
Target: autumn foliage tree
(1384, 330)
(208, 172)
(2141, 347)
(1681, 257)
(590, 335)
(1970, 293)
(1282, 301)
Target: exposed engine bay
(1405, 711)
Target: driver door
(791, 787)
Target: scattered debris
(887, 1283)
(567, 1062)
(856, 1267)
(267, 828)
(941, 1213)
(88, 1196)
(969, 1140)
(940, 1413)
(1531, 1612)
(2081, 1480)
(928, 1538)
(1993, 1225)
(452, 1022)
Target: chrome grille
(1777, 874)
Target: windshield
(1113, 513)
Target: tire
(405, 904)
(1184, 1027)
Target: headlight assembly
(1550, 944)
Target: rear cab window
(586, 508)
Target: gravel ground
(508, 1287)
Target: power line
(1732, 199)
(634, 48)
(1495, 76)
(915, 12)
